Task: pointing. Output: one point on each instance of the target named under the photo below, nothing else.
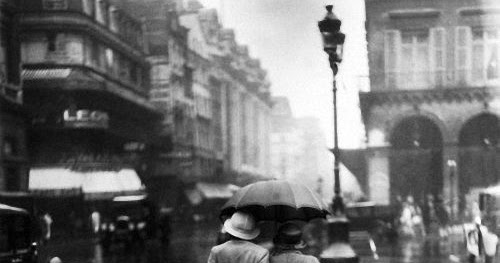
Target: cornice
(412, 97)
(368, 100)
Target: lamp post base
(339, 250)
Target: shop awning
(93, 184)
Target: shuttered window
(485, 55)
(392, 40)
(438, 56)
(462, 54)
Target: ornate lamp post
(339, 249)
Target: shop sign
(85, 118)
(178, 155)
(134, 146)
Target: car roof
(7, 209)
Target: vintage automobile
(16, 238)
(129, 221)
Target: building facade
(13, 152)
(237, 117)
(432, 115)
(298, 151)
(171, 91)
(86, 87)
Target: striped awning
(36, 74)
(93, 184)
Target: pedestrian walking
(95, 219)
(241, 228)
(287, 245)
(47, 227)
(481, 244)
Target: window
(101, 11)
(95, 55)
(10, 146)
(485, 57)
(113, 19)
(51, 42)
(438, 56)
(110, 61)
(415, 59)
(12, 179)
(391, 59)
(88, 7)
(55, 4)
(462, 48)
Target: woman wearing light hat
(241, 228)
(287, 245)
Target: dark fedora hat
(289, 235)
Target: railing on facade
(11, 92)
(90, 69)
(418, 80)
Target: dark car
(16, 239)
(129, 222)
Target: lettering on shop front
(86, 119)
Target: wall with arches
(415, 160)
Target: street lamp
(339, 249)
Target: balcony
(79, 22)
(11, 92)
(422, 80)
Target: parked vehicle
(16, 239)
(130, 221)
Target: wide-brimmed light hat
(289, 235)
(242, 225)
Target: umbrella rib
(314, 197)
(241, 197)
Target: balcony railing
(11, 92)
(419, 80)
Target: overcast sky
(284, 35)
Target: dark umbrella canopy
(276, 200)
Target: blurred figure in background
(287, 245)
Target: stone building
(285, 141)
(238, 91)
(432, 115)
(13, 152)
(299, 153)
(172, 92)
(86, 88)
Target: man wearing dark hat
(287, 245)
(241, 228)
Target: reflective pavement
(192, 243)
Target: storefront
(71, 196)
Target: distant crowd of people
(415, 221)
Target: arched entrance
(416, 158)
(479, 157)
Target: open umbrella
(276, 200)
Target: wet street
(192, 243)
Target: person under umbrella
(287, 245)
(241, 228)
